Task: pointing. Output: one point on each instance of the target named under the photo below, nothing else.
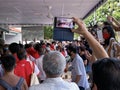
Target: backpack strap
(19, 83)
(5, 84)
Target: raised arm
(114, 22)
(98, 49)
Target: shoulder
(73, 86)
(1, 88)
(36, 87)
(78, 58)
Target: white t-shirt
(36, 70)
(40, 67)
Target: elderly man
(54, 64)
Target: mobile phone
(64, 22)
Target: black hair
(72, 48)
(22, 54)
(14, 47)
(82, 48)
(106, 23)
(106, 74)
(38, 47)
(21, 45)
(48, 44)
(110, 31)
(8, 62)
(95, 26)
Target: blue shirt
(78, 68)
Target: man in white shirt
(78, 68)
(54, 64)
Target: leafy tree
(48, 32)
(111, 7)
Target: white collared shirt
(78, 68)
(55, 84)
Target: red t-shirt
(24, 69)
(33, 52)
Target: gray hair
(54, 63)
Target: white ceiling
(36, 11)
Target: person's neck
(9, 73)
(53, 76)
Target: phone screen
(63, 22)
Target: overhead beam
(3, 29)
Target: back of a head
(22, 54)
(8, 62)
(106, 23)
(41, 50)
(106, 74)
(14, 47)
(54, 63)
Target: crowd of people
(89, 56)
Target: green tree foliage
(48, 32)
(111, 7)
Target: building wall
(33, 32)
(13, 38)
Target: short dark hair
(106, 74)
(106, 23)
(72, 48)
(22, 54)
(14, 47)
(8, 62)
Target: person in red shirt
(30, 50)
(23, 67)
